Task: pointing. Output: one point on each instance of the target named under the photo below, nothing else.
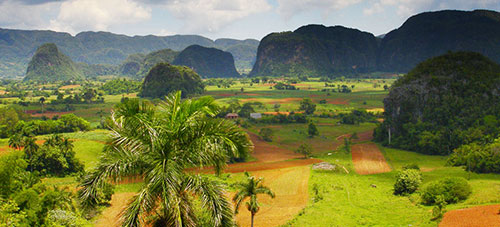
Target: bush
(411, 166)
(407, 181)
(266, 134)
(477, 158)
(452, 190)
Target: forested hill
(18, 46)
(49, 64)
(316, 50)
(431, 34)
(207, 62)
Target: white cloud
(289, 8)
(80, 15)
(405, 8)
(16, 14)
(202, 16)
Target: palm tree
(30, 147)
(160, 144)
(16, 141)
(42, 100)
(250, 189)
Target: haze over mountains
(18, 46)
(313, 50)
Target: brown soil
(69, 86)
(50, 114)
(225, 95)
(362, 137)
(337, 101)
(110, 215)
(266, 152)
(472, 217)
(368, 159)
(290, 186)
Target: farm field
(360, 196)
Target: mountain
(138, 65)
(316, 50)
(18, 46)
(434, 33)
(164, 78)
(442, 103)
(208, 62)
(49, 64)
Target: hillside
(443, 103)
(434, 33)
(165, 78)
(49, 64)
(208, 62)
(316, 50)
(138, 65)
(18, 46)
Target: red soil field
(337, 101)
(472, 217)
(69, 86)
(290, 186)
(368, 159)
(50, 114)
(110, 215)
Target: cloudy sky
(218, 18)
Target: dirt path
(368, 159)
(290, 186)
(109, 216)
(472, 217)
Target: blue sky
(218, 18)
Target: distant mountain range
(18, 46)
(316, 50)
(313, 50)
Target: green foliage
(49, 65)
(9, 117)
(356, 117)
(477, 158)
(120, 86)
(250, 188)
(66, 123)
(312, 130)
(159, 144)
(207, 62)
(309, 50)
(304, 149)
(307, 106)
(281, 119)
(266, 134)
(282, 86)
(55, 157)
(164, 79)
(451, 190)
(413, 166)
(431, 34)
(443, 103)
(407, 181)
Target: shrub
(266, 134)
(411, 166)
(452, 190)
(407, 181)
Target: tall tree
(160, 144)
(250, 189)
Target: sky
(239, 19)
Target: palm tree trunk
(252, 219)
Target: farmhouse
(232, 116)
(256, 115)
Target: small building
(256, 115)
(231, 115)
